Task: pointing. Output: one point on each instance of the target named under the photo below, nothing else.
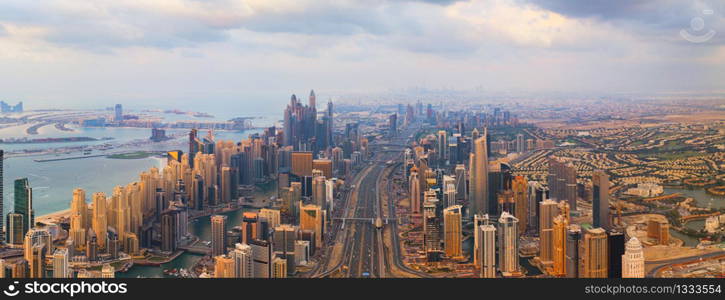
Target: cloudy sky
(73, 52)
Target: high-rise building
(218, 230)
(118, 113)
(478, 220)
(283, 242)
(659, 231)
(431, 229)
(520, 146)
(573, 236)
(633, 260)
(414, 191)
(312, 218)
(562, 181)
(279, 268)
(593, 254)
(537, 193)
(548, 212)
(393, 125)
(226, 184)
(442, 147)
(272, 215)
(60, 264)
(169, 229)
(479, 176)
(301, 163)
(452, 218)
(319, 196)
(37, 236)
(24, 203)
(261, 258)
(508, 251)
(36, 264)
(461, 186)
(600, 200)
(559, 233)
(486, 246)
(242, 256)
(14, 229)
(616, 248)
(449, 194)
(519, 186)
(99, 220)
(223, 267)
(324, 165)
(302, 252)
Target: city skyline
(503, 139)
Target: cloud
(656, 19)
(361, 44)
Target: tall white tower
(633, 260)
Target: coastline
(54, 215)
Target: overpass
(196, 249)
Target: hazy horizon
(187, 51)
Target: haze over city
(68, 53)
(536, 143)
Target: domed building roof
(634, 244)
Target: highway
(363, 252)
(682, 260)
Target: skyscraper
(312, 218)
(272, 216)
(283, 243)
(479, 176)
(548, 212)
(301, 163)
(487, 250)
(461, 187)
(593, 254)
(562, 181)
(442, 147)
(223, 267)
(60, 264)
(99, 221)
(414, 191)
(261, 258)
(79, 207)
(14, 229)
(242, 256)
(600, 200)
(24, 203)
(118, 113)
(559, 245)
(615, 250)
(279, 268)
(520, 146)
(508, 251)
(431, 229)
(573, 236)
(519, 186)
(478, 220)
(452, 218)
(633, 260)
(218, 230)
(393, 125)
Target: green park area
(132, 155)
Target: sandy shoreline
(53, 215)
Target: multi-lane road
(364, 249)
